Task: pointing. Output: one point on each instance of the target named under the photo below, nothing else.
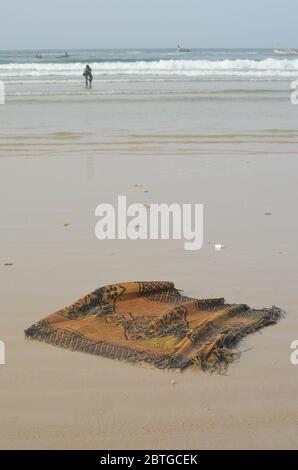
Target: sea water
(24, 73)
(153, 101)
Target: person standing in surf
(88, 76)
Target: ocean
(53, 72)
(153, 102)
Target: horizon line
(139, 48)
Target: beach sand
(52, 398)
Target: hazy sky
(66, 24)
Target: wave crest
(188, 68)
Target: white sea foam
(242, 68)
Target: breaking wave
(242, 68)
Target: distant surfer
(88, 76)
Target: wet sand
(56, 399)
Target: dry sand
(57, 399)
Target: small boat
(285, 52)
(64, 56)
(182, 49)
